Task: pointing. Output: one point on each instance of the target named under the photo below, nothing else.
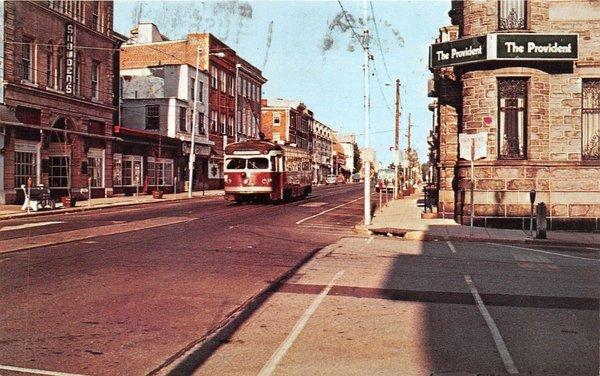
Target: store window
(96, 167)
(512, 14)
(591, 119)
(512, 105)
(127, 170)
(152, 117)
(26, 156)
(59, 173)
(160, 171)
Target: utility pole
(409, 149)
(194, 126)
(367, 165)
(397, 138)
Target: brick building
(147, 47)
(249, 84)
(287, 121)
(528, 74)
(57, 97)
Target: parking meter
(532, 201)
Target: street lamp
(192, 158)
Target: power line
(381, 88)
(387, 72)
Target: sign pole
(472, 183)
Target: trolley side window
(236, 164)
(258, 164)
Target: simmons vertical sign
(70, 57)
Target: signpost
(471, 148)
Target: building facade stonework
(533, 84)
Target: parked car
(330, 179)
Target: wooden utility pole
(397, 138)
(409, 150)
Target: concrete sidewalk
(14, 211)
(402, 217)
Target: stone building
(528, 74)
(58, 105)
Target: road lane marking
(451, 246)
(500, 345)
(370, 239)
(270, 366)
(36, 371)
(29, 225)
(327, 211)
(546, 252)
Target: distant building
(159, 101)
(528, 74)
(225, 71)
(57, 98)
(347, 142)
(322, 151)
(287, 121)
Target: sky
(307, 52)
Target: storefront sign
(70, 57)
(202, 150)
(460, 51)
(535, 46)
(504, 46)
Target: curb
(79, 209)
(188, 359)
(420, 235)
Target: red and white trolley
(260, 169)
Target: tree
(357, 159)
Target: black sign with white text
(536, 46)
(458, 51)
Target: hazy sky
(307, 52)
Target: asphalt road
(123, 290)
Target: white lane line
(326, 211)
(36, 371)
(451, 246)
(29, 225)
(546, 252)
(370, 239)
(500, 345)
(270, 366)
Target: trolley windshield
(260, 163)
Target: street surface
(134, 286)
(133, 291)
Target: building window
(201, 123)
(200, 91)
(160, 171)
(276, 119)
(96, 168)
(183, 119)
(49, 65)
(152, 117)
(95, 77)
(512, 14)
(230, 126)
(79, 10)
(230, 85)
(222, 123)
(25, 168)
(27, 58)
(223, 81)
(59, 172)
(78, 74)
(512, 105)
(96, 15)
(591, 119)
(213, 77)
(60, 75)
(213, 121)
(193, 89)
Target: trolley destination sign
(507, 46)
